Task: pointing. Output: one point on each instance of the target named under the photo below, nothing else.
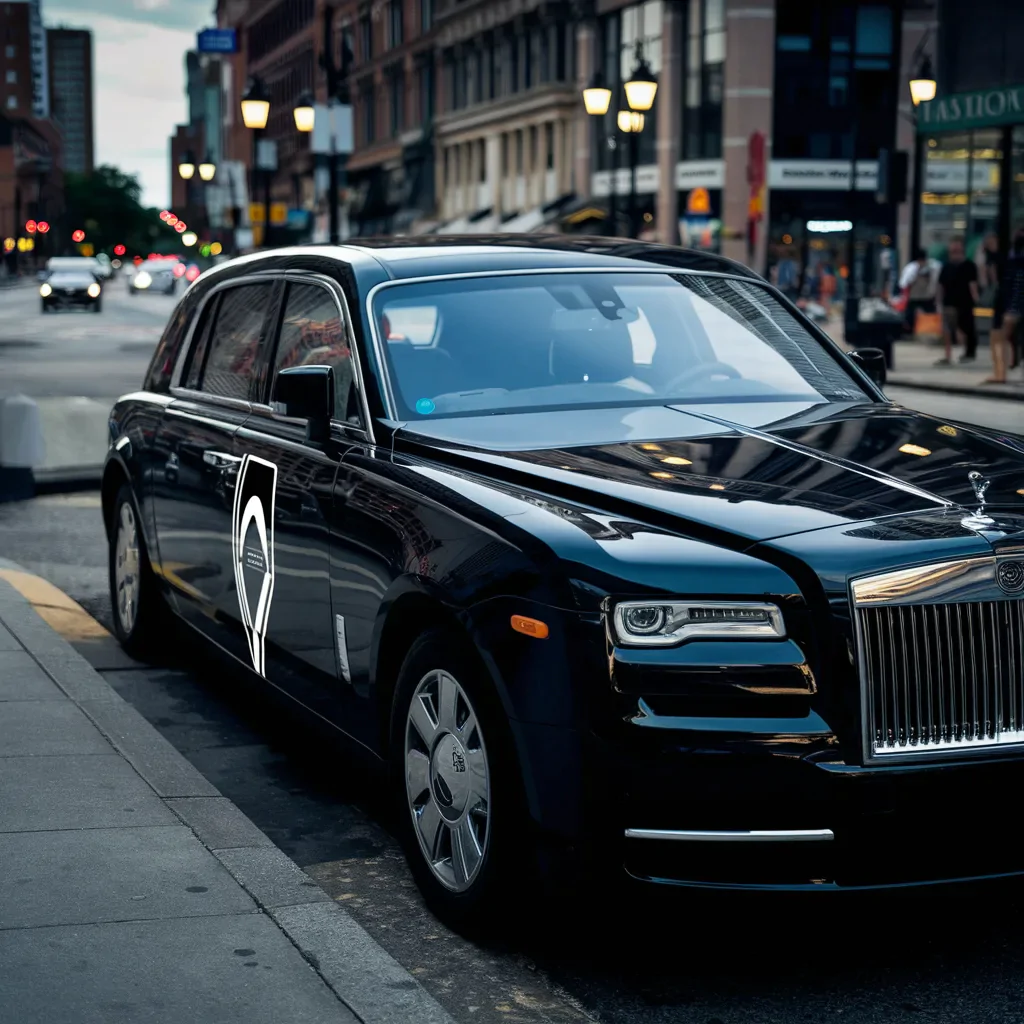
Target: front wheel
(134, 593)
(456, 782)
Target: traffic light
(119, 250)
(78, 235)
(30, 226)
(42, 227)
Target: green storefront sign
(972, 110)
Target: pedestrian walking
(956, 297)
(919, 281)
(1010, 301)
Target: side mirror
(872, 362)
(306, 393)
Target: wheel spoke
(422, 717)
(467, 729)
(476, 762)
(447, 699)
(466, 852)
(428, 821)
(417, 774)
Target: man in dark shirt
(957, 296)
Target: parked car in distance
(154, 276)
(75, 264)
(71, 287)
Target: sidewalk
(130, 889)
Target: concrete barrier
(21, 447)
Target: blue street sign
(218, 40)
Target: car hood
(755, 470)
(70, 280)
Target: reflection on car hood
(758, 470)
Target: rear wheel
(134, 594)
(456, 783)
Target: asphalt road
(621, 957)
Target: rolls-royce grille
(940, 675)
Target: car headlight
(664, 623)
(94, 291)
(142, 279)
(45, 289)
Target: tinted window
(313, 333)
(505, 343)
(200, 343)
(235, 340)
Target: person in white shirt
(919, 280)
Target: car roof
(437, 255)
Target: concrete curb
(975, 391)
(360, 972)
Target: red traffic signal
(165, 214)
(30, 226)
(180, 227)
(42, 227)
(78, 235)
(119, 250)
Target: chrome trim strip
(832, 460)
(798, 835)
(962, 579)
(201, 396)
(389, 397)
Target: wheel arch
(115, 473)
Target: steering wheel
(707, 370)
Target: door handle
(221, 460)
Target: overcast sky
(138, 78)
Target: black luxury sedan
(602, 550)
(68, 283)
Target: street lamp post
(255, 113)
(640, 91)
(922, 90)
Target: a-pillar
(747, 108)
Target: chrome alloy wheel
(447, 781)
(126, 567)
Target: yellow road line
(54, 607)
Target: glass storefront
(961, 194)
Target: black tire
(97, 307)
(499, 879)
(46, 308)
(145, 633)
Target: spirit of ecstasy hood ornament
(978, 520)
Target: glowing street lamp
(255, 105)
(207, 169)
(187, 167)
(597, 96)
(923, 85)
(189, 238)
(304, 113)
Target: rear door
(287, 483)
(195, 487)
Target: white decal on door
(252, 549)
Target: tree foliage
(107, 205)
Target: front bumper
(77, 299)
(828, 825)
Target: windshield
(555, 341)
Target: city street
(626, 957)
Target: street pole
(337, 93)
(915, 199)
(634, 158)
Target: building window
(426, 14)
(705, 75)
(395, 23)
(12, 102)
(397, 102)
(519, 152)
(366, 37)
(833, 67)
(10, 50)
(12, 77)
(426, 85)
(549, 144)
(369, 112)
(504, 155)
(481, 161)
(620, 33)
